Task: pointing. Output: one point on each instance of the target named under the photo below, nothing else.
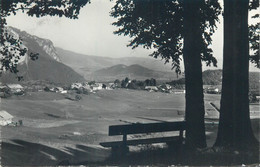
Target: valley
(66, 128)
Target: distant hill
(134, 71)
(86, 65)
(48, 66)
(212, 77)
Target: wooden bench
(139, 128)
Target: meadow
(56, 130)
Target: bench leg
(176, 145)
(119, 151)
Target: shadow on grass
(169, 157)
(23, 153)
(174, 156)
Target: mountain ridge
(134, 71)
(47, 67)
(86, 64)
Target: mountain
(86, 65)
(134, 71)
(47, 67)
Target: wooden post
(181, 133)
(124, 139)
(124, 147)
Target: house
(179, 91)
(112, 85)
(149, 88)
(16, 88)
(168, 87)
(64, 92)
(86, 86)
(59, 89)
(97, 86)
(213, 90)
(165, 88)
(3, 87)
(5, 118)
(76, 85)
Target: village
(74, 91)
(7, 90)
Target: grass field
(57, 130)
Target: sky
(92, 32)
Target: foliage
(150, 82)
(252, 97)
(254, 31)
(124, 83)
(116, 81)
(11, 48)
(92, 82)
(104, 86)
(159, 25)
(212, 77)
(179, 81)
(46, 89)
(134, 84)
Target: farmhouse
(97, 86)
(178, 91)
(149, 88)
(16, 88)
(76, 85)
(86, 86)
(112, 85)
(5, 118)
(4, 88)
(213, 90)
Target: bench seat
(142, 141)
(121, 147)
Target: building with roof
(151, 88)
(5, 118)
(16, 88)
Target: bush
(46, 89)
(77, 97)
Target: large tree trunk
(195, 132)
(234, 129)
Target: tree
(195, 128)
(153, 82)
(125, 82)
(235, 130)
(117, 82)
(164, 25)
(11, 47)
